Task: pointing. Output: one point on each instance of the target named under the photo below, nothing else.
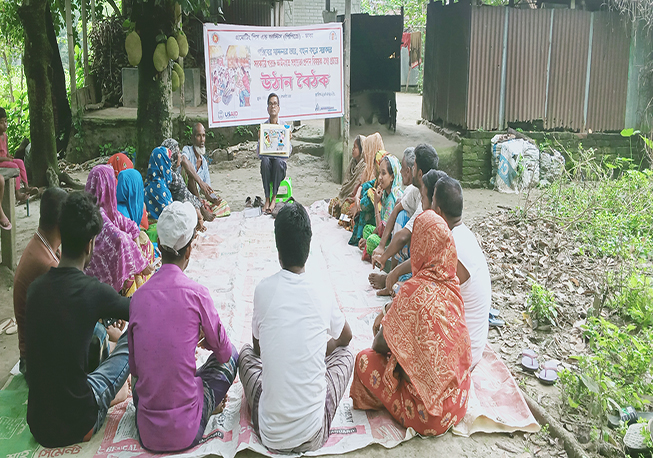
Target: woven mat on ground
(231, 258)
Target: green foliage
(245, 132)
(106, 150)
(414, 10)
(541, 305)
(616, 373)
(17, 120)
(609, 217)
(634, 300)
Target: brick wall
(306, 12)
(476, 151)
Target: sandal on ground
(494, 312)
(248, 202)
(496, 322)
(529, 360)
(635, 439)
(8, 325)
(628, 416)
(7, 226)
(549, 373)
(258, 202)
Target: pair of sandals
(494, 320)
(258, 202)
(9, 326)
(547, 373)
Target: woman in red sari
(419, 365)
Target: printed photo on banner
(302, 65)
(274, 140)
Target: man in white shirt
(194, 162)
(299, 367)
(445, 197)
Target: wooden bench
(8, 238)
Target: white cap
(176, 225)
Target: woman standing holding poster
(273, 169)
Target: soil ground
(237, 179)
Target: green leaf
(573, 404)
(590, 383)
(628, 132)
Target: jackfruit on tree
(173, 48)
(133, 48)
(177, 12)
(160, 57)
(182, 41)
(175, 81)
(180, 73)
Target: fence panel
(485, 60)
(527, 60)
(446, 63)
(568, 70)
(609, 73)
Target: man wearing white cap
(168, 313)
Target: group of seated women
(419, 367)
(124, 255)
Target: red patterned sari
(424, 381)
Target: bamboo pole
(346, 152)
(71, 57)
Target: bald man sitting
(197, 167)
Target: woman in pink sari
(9, 162)
(123, 254)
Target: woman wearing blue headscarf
(159, 174)
(131, 196)
(157, 186)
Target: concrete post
(346, 152)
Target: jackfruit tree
(46, 91)
(154, 40)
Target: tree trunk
(63, 117)
(154, 118)
(36, 62)
(11, 89)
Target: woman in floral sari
(123, 255)
(419, 365)
(377, 200)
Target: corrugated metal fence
(485, 67)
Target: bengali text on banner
(244, 64)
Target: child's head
(3, 121)
(292, 232)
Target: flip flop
(258, 202)
(496, 322)
(628, 416)
(635, 439)
(6, 227)
(494, 312)
(7, 324)
(529, 360)
(248, 202)
(549, 373)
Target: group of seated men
(299, 365)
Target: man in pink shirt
(168, 314)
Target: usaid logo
(230, 114)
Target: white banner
(244, 64)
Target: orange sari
(424, 381)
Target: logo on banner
(333, 36)
(215, 38)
